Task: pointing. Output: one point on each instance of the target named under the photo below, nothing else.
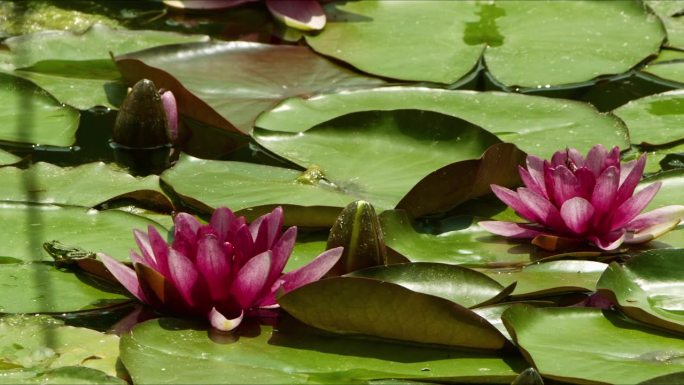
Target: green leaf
(670, 193)
(41, 15)
(8, 158)
(164, 351)
(670, 14)
(463, 286)
(550, 278)
(536, 125)
(582, 39)
(380, 155)
(583, 345)
(227, 85)
(654, 120)
(30, 115)
(649, 288)
(28, 226)
(84, 185)
(45, 351)
(668, 67)
(468, 245)
(370, 307)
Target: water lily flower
(222, 270)
(305, 15)
(571, 199)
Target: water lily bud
(358, 230)
(141, 122)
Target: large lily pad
(468, 245)
(254, 189)
(42, 350)
(536, 125)
(77, 68)
(582, 39)
(85, 185)
(582, 345)
(30, 115)
(461, 285)
(8, 158)
(28, 226)
(670, 14)
(228, 84)
(42, 288)
(374, 308)
(670, 193)
(551, 278)
(165, 351)
(668, 66)
(649, 287)
(656, 119)
(380, 155)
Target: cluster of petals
(306, 15)
(584, 199)
(218, 270)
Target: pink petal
(125, 275)
(135, 258)
(184, 277)
(171, 111)
(214, 265)
(185, 234)
(161, 251)
(576, 158)
(205, 4)
(305, 15)
(630, 181)
(244, 246)
(547, 213)
(596, 158)
(613, 158)
(512, 199)
(509, 229)
(565, 185)
(143, 242)
(609, 241)
(251, 280)
(652, 232)
(530, 182)
(222, 323)
(586, 181)
(634, 205)
(625, 169)
(312, 271)
(654, 217)
(268, 231)
(281, 253)
(577, 214)
(221, 221)
(604, 192)
(535, 166)
(559, 158)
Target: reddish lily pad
(227, 85)
(649, 287)
(381, 309)
(461, 285)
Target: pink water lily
(221, 270)
(572, 199)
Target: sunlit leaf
(656, 119)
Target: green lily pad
(8, 158)
(36, 349)
(669, 13)
(165, 351)
(583, 345)
(227, 85)
(85, 185)
(42, 288)
(655, 120)
(550, 278)
(379, 156)
(670, 193)
(649, 287)
(254, 190)
(28, 226)
(655, 156)
(441, 42)
(374, 308)
(41, 15)
(536, 125)
(30, 115)
(668, 67)
(468, 245)
(461, 285)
